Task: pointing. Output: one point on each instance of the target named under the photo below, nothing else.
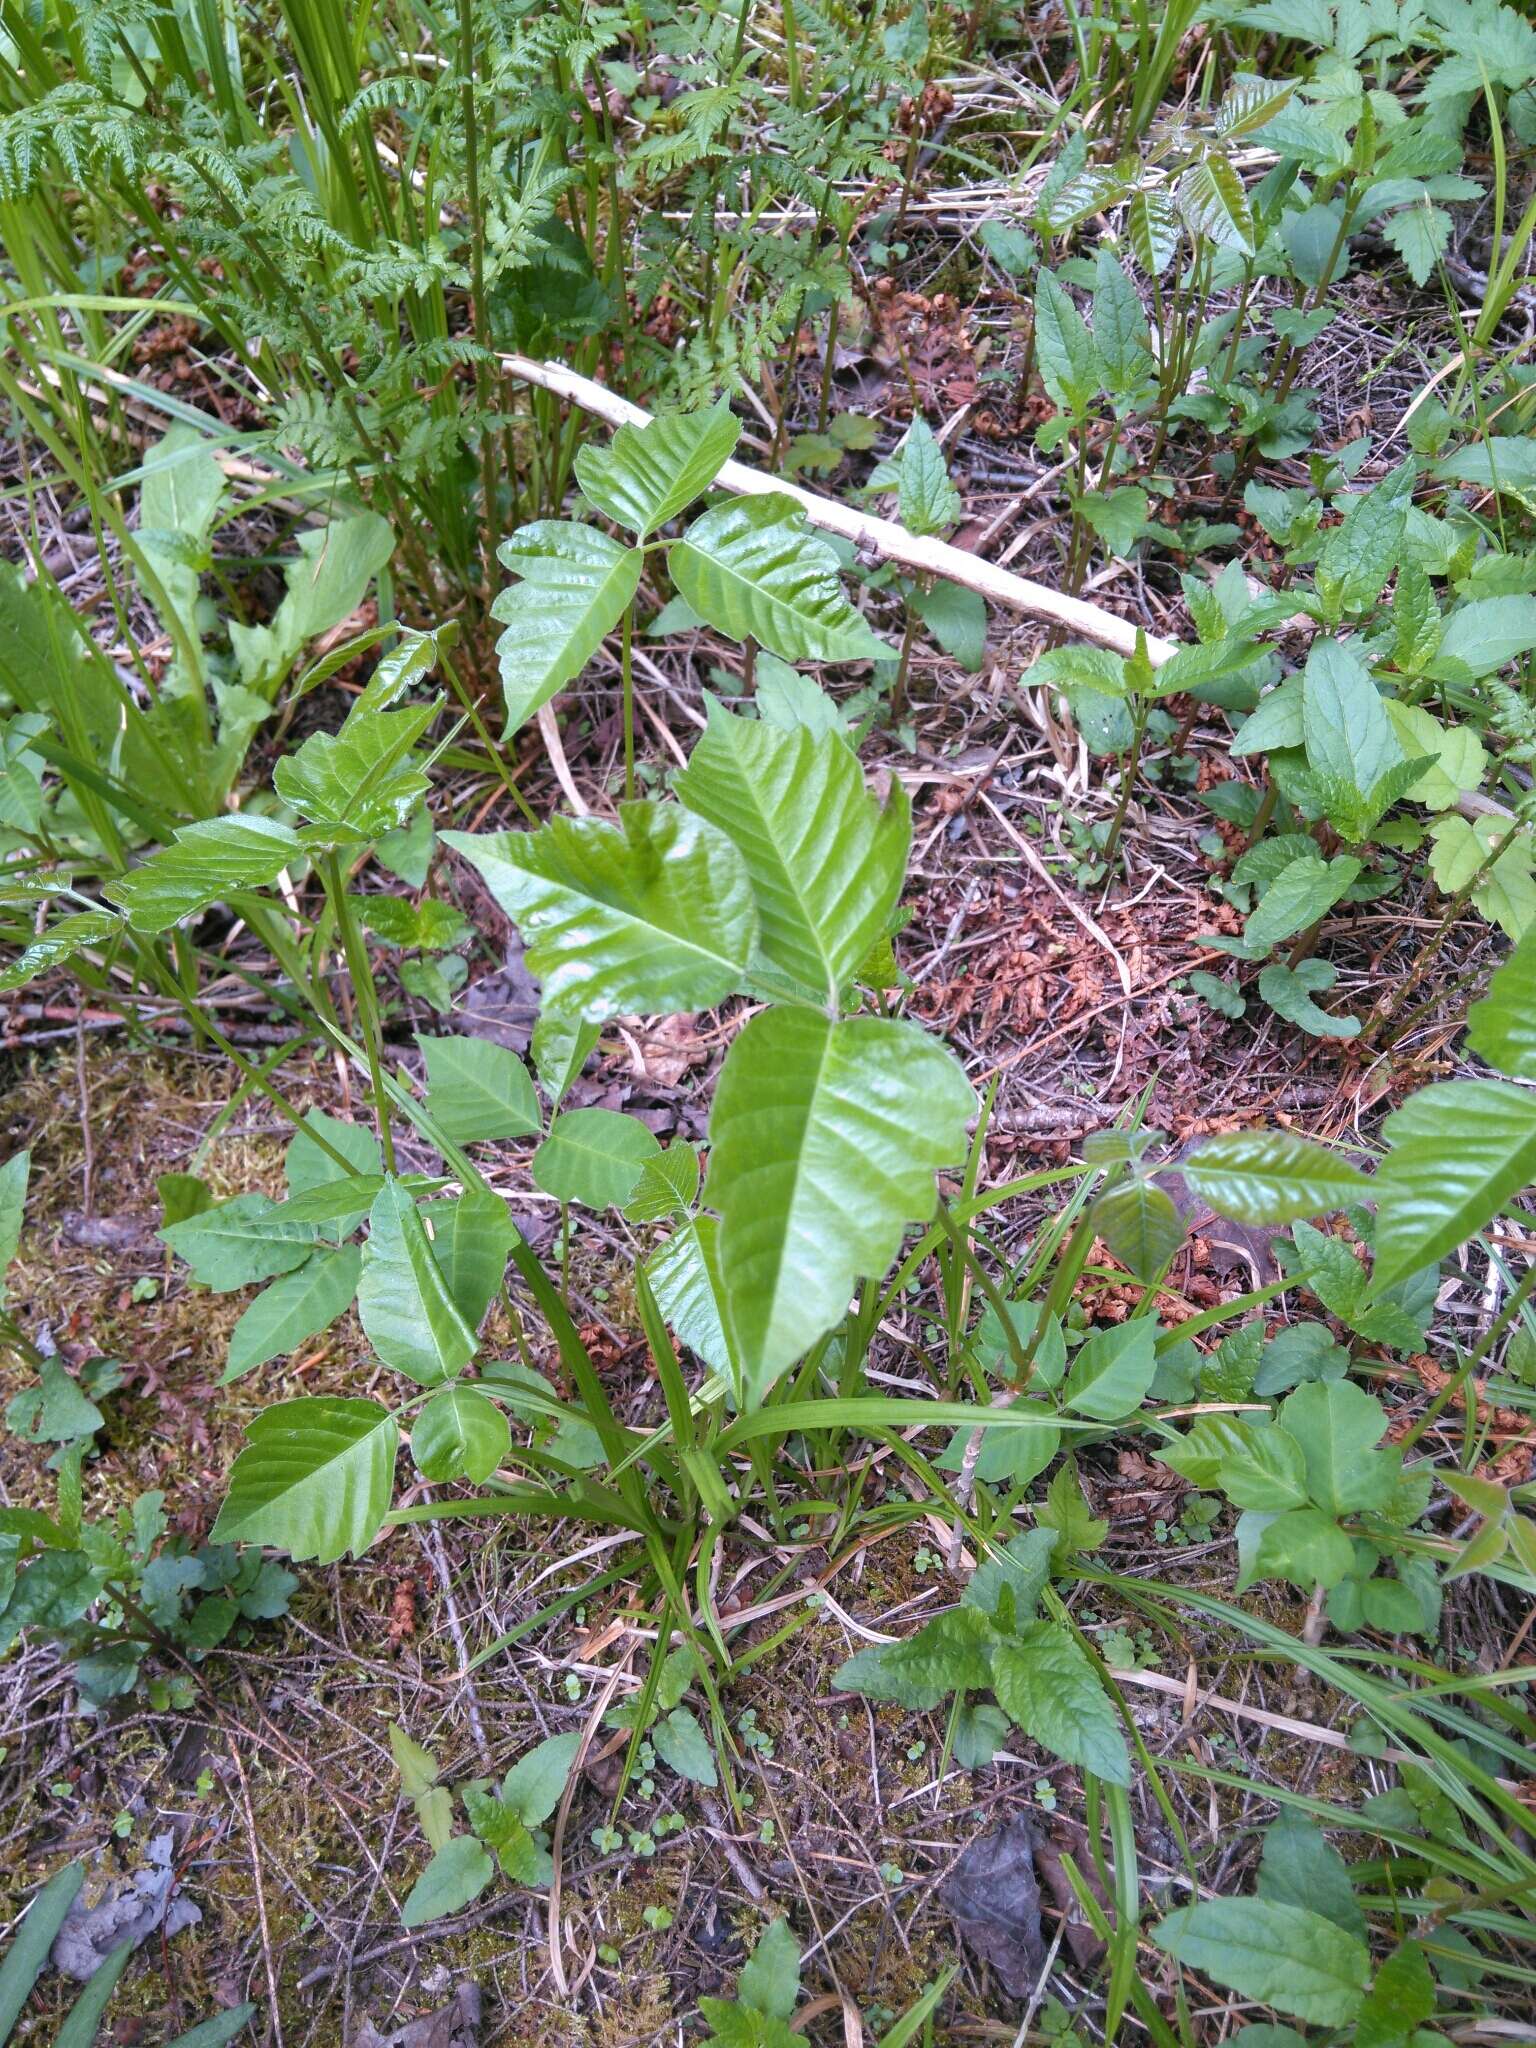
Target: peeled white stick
(882, 537)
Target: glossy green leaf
(292, 1310)
(1045, 1683)
(1459, 1153)
(1113, 1370)
(1211, 202)
(313, 1480)
(308, 1167)
(61, 941)
(533, 1786)
(826, 1137)
(770, 1977)
(1501, 1026)
(1503, 889)
(668, 1182)
(594, 1156)
(754, 570)
(459, 1434)
(1141, 1227)
(826, 861)
(458, 1873)
(575, 583)
(1357, 557)
(561, 1048)
(648, 474)
(1262, 1177)
(236, 1243)
(647, 917)
(478, 1091)
(360, 783)
(403, 1298)
(684, 1275)
(472, 1237)
(1301, 1867)
(1283, 1955)
(201, 865)
(1349, 739)
(1269, 1473)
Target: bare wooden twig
(881, 537)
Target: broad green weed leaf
(1153, 229)
(61, 941)
(1459, 1152)
(826, 861)
(1348, 736)
(1301, 1867)
(458, 1873)
(1269, 1473)
(478, 1091)
(647, 475)
(1303, 1546)
(1501, 1026)
(1068, 361)
(13, 1203)
(595, 1157)
(292, 1310)
(683, 1747)
(236, 1243)
(1484, 636)
(1141, 1227)
(1402, 1998)
(308, 1167)
(1360, 553)
(950, 1654)
(1023, 1567)
(1120, 331)
(1459, 757)
(927, 501)
(647, 917)
(1283, 1955)
(1261, 1177)
(459, 1434)
(55, 1411)
(1249, 102)
(1338, 1425)
(826, 1137)
(575, 583)
(1506, 893)
(770, 1978)
(1305, 890)
(1046, 1684)
(561, 1047)
(520, 1857)
(408, 1313)
(753, 569)
(956, 618)
(326, 584)
(1289, 992)
(667, 1183)
(201, 865)
(313, 1480)
(1113, 1370)
(533, 1786)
